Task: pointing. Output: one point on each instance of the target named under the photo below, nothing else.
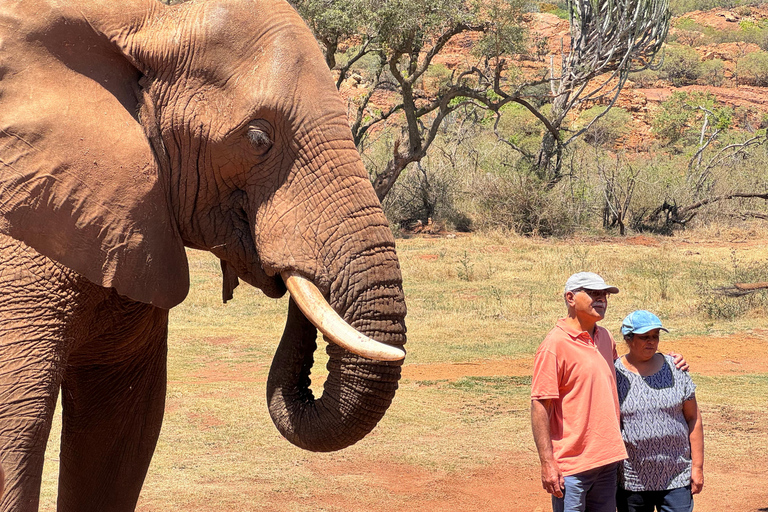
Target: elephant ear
(79, 181)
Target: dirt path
(708, 355)
(513, 483)
(514, 486)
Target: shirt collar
(577, 334)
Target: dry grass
(470, 299)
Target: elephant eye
(260, 136)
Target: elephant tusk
(317, 310)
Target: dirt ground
(731, 484)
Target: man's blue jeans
(590, 491)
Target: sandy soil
(731, 484)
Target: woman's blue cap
(640, 322)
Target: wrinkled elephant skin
(129, 131)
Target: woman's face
(644, 346)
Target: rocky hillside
(700, 30)
(643, 99)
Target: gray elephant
(129, 130)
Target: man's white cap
(588, 281)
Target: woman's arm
(696, 436)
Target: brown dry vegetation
(457, 437)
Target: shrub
(607, 130)
(680, 7)
(435, 78)
(712, 72)
(425, 193)
(522, 128)
(756, 33)
(681, 65)
(517, 200)
(555, 9)
(670, 123)
(645, 78)
(681, 111)
(753, 69)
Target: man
(574, 405)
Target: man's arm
(551, 477)
(692, 416)
(680, 362)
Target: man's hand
(552, 478)
(680, 362)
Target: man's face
(589, 304)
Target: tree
(397, 42)
(697, 119)
(609, 40)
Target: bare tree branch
(613, 37)
(688, 209)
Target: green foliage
(435, 78)
(520, 126)
(681, 65)
(680, 7)
(756, 33)
(671, 122)
(403, 25)
(753, 69)
(607, 130)
(335, 19)
(466, 269)
(560, 10)
(683, 110)
(507, 36)
(645, 78)
(712, 72)
(694, 34)
(470, 179)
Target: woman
(660, 423)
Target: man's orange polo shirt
(577, 373)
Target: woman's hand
(697, 480)
(692, 416)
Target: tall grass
(218, 449)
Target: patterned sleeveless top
(654, 429)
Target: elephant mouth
(316, 309)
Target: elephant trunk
(358, 390)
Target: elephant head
(129, 130)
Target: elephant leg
(28, 391)
(37, 302)
(113, 398)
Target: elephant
(130, 131)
